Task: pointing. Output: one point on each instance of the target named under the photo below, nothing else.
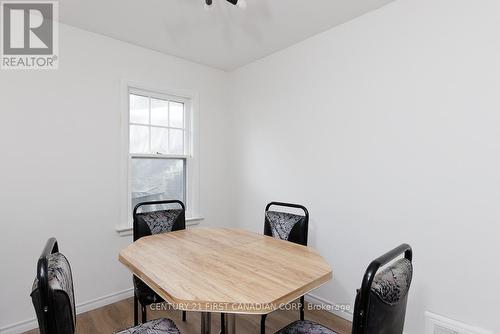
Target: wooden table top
(225, 270)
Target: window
(159, 150)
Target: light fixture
(209, 5)
(239, 3)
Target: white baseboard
(329, 306)
(103, 301)
(19, 327)
(29, 324)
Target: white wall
(60, 167)
(387, 129)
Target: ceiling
(225, 37)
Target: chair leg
(184, 316)
(136, 313)
(302, 308)
(144, 315)
(263, 324)
(222, 324)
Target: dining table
(225, 270)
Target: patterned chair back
(287, 226)
(52, 292)
(160, 221)
(380, 305)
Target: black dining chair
(53, 298)
(380, 305)
(287, 226)
(290, 227)
(148, 223)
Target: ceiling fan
(239, 3)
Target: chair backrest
(160, 221)
(287, 226)
(52, 293)
(380, 305)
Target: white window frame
(190, 156)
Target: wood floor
(118, 316)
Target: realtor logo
(29, 34)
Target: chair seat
(158, 326)
(305, 327)
(145, 294)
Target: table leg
(230, 323)
(206, 323)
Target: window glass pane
(139, 139)
(177, 115)
(139, 109)
(157, 179)
(159, 112)
(176, 141)
(159, 140)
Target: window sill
(124, 231)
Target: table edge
(234, 308)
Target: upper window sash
(187, 122)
